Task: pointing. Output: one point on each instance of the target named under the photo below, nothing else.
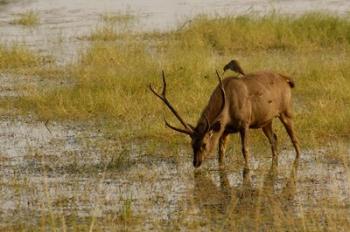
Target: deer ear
(216, 127)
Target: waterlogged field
(83, 144)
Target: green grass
(111, 79)
(29, 18)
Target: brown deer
(236, 105)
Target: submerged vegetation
(121, 18)
(115, 26)
(28, 18)
(103, 33)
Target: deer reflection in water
(245, 207)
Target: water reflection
(248, 205)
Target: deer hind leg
(288, 124)
(222, 147)
(272, 137)
(245, 150)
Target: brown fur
(252, 101)
(235, 106)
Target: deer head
(203, 141)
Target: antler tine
(191, 126)
(223, 95)
(221, 85)
(220, 79)
(177, 129)
(164, 84)
(163, 97)
(154, 92)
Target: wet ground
(79, 174)
(70, 174)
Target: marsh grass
(126, 210)
(102, 33)
(111, 79)
(29, 18)
(312, 31)
(15, 57)
(114, 26)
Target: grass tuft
(113, 18)
(114, 27)
(103, 33)
(28, 18)
(18, 57)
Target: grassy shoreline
(110, 78)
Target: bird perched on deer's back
(234, 66)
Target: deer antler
(223, 95)
(188, 129)
(222, 91)
(185, 131)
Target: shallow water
(63, 22)
(62, 169)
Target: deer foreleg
(222, 148)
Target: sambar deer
(236, 105)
